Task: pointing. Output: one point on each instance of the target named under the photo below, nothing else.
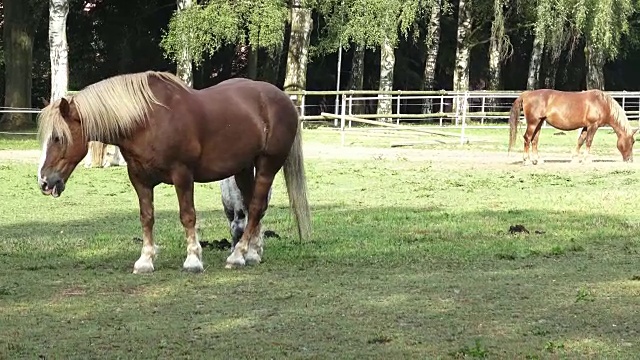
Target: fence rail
(450, 109)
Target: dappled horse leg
(145, 197)
(575, 155)
(250, 247)
(183, 182)
(534, 144)
(246, 182)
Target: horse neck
(618, 128)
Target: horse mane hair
(617, 112)
(107, 109)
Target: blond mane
(617, 112)
(107, 109)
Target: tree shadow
(374, 282)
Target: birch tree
(184, 67)
(202, 29)
(432, 45)
(373, 24)
(552, 30)
(298, 56)
(463, 50)
(602, 23)
(498, 44)
(58, 48)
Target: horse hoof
(143, 267)
(235, 260)
(193, 264)
(252, 257)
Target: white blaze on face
(43, 158)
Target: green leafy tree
(202, 29)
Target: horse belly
(564, 123)
(214, 167)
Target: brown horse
(169, 133)
(567, 110)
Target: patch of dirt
(19, 155)
(442, 158)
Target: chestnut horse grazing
(169, 133)
(567, 110)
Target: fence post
(342, 118)
(441, 108)
(464, 117)
(483, 109)
(398, 109)
(302, 101)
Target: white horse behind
(234, 209)
(103, 155)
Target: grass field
(487, 139)
(409, 259)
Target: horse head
(625, 145)
(64, 145)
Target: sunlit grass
(408, 260)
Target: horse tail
(296, 182)
(513, 121)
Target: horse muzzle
(52, 185)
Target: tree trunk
(298, 56)
(270, 71)
(461, 71)
(534, 64)
(58, 48)
(252, 64)
(433, 44)
(18, 55)
(387, 63)
(552, 71)
(495, 45)
(357, 76)
(184, 64)
(595, 66)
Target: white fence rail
(477, 108)
(407, 105)
(482, 107)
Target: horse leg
(250, 247)
(581, 138)
(145, 197)
(183, 182)
(245, 182)
(528, 136)
(534, 143)
(591, 131)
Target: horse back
(224, 128)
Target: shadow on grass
(374, 283)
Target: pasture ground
(411, 257)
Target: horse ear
(635, 131)
(45, 101)
(65, 108)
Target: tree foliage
(370, 22)
(603, 22)
(207, 27)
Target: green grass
(408, 260)
(482, 139)
(22, 141)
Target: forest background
(386, 44)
